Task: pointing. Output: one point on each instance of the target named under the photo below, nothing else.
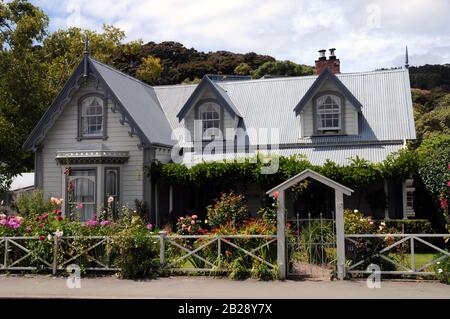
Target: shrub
(137, 253)
(442, 269)
(367, 248)
(228, 209)
(34, 203)
(411, 226)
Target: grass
(419, 259)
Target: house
(104, 126)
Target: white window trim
(321, 102)
(209, 132)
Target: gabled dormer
(328, 108)
(209, 112)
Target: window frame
(103, 135)
(318, 131)
(199, 117)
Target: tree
(22, 95)
(150, 70)
(282, 68)
(243, 69)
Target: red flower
(59, 218)
(41, 225)
(275, 195)
(41, 238)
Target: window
(81, 193)
(92, 116)
(329, 113)
(210, 116)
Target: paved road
(207, 287)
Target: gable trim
(48, 119)
(220, 94)
(327, 74)
(59, 103)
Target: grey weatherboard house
(106, 126)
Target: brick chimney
(332, 63)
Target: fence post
(281, 237)
(340, 233)
(55, 255)
(162, 248)
(219, 251)
(6, 253)
(413, 259)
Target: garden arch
(339, 192)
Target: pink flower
(91, 223)
(41, 225)
(192, 222)
(183, 226)
(104, 223)
(29, 229)
(189, 229)
(275, 195)
(2, 216)
(80, 206)
(181, 218)
(448, 184)
(150, 227)
(194, 216)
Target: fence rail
(17, 255)
(384, 252)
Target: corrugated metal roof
(316, 155)
(140, 101)
(387, 113)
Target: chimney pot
(322, 54)
(332, 55)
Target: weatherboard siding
(62, 136)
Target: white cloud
(367, 34)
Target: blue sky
(367, 34)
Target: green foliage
(358, 173)
(411, 226)
(34, 203)
(442, 270)
(150, 70)
(434, 170)
(137, 254)
(282, 68)
(229, 209)
(430, 76)
(243, 69)
(269, 214)
(180, 63)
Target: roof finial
(86, 56)
(406, 58)
(86, 45)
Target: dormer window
(209, 114)
(92, 114)
(328, 113)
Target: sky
(368, 35)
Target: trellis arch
(339, 192)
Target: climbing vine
(359, 172)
